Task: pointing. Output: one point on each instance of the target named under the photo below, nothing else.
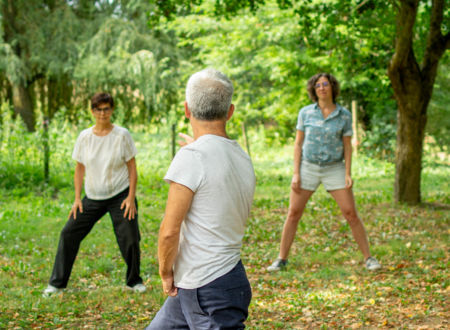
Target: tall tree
(412, 83)
(39, 44)
(14, 50)
(136, 64)
(55, 53)
(413, 86)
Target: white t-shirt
(222, 178)
(105, 160)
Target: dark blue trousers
(126, 231)
(221, 304)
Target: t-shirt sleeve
(186, 169)
(77, 153)
(128, 148)
(348, 131)
(300, 123)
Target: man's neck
(204, 127)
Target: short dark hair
(100, 98)
(311, 86)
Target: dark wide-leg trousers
(126, 231)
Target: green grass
(325, 285)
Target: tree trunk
(408, 156)
(413, 87)
(412, 102)
(23, 105)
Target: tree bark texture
(21, 97)
(23, 105)
(413, 87)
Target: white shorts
(332, 176)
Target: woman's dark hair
(311, 86)
(100, 98)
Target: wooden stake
(247, 145)
(355, 141)
(173, 140)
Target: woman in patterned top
(105, 156)
(323, 154)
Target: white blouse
(105, 159)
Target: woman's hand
(187, 139)
(295, 183)
(348, 181)
(77, 205)
(130, 207)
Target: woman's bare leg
(297, 203)
(346, 202)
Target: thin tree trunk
(23, 105)
(45, 109)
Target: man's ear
(230, 111)
(187, 112)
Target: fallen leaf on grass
(356, 325)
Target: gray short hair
(208, 94)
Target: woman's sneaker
(138, 288)
(277, 265)
(49, 290)
(372, 264)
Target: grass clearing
(325, 286)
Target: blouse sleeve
(77, 153)
(348, 131)
(128, 148)
(300, 123)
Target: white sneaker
(138, 288)
(49, 290)
(372, 264)
(277, 265)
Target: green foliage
(21, 155)
(134, 65)
(62, 52)
(354, 42)
(271, 53)
(438, 122)
(264, 63)
(11, 65)
(380, 141)
(71, 49)
(38, 40)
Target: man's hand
(130, 208)
(348, 181)
(187, 139)
(77, 205)
(295, 183)
(168, 286)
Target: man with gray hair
(212, 183)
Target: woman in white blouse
(105, 156)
